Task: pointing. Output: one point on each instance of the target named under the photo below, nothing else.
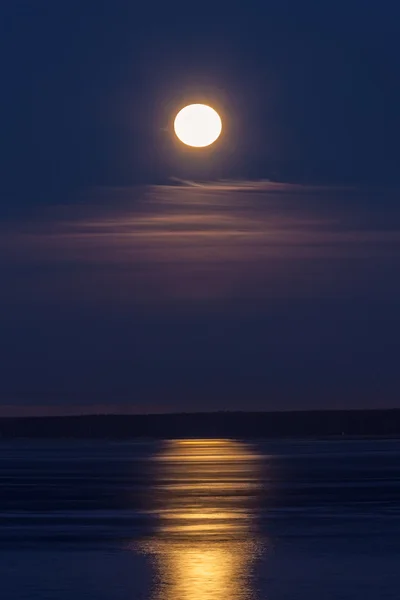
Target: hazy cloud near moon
(171, 298)
(158, 244)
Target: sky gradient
(308, 92)
(119, 292)
(186, 298)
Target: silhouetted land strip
(208, 425)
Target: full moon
(198, 125)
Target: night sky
(120, 293)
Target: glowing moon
(198, 125)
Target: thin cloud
(207, 241)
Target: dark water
(200, 520)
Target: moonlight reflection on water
(206, 539)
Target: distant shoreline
(251, 425)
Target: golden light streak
(205, 542)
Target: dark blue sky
(168, 298)
(309, 90)
(153, 298)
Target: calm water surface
(200, 520)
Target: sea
(200, 519)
